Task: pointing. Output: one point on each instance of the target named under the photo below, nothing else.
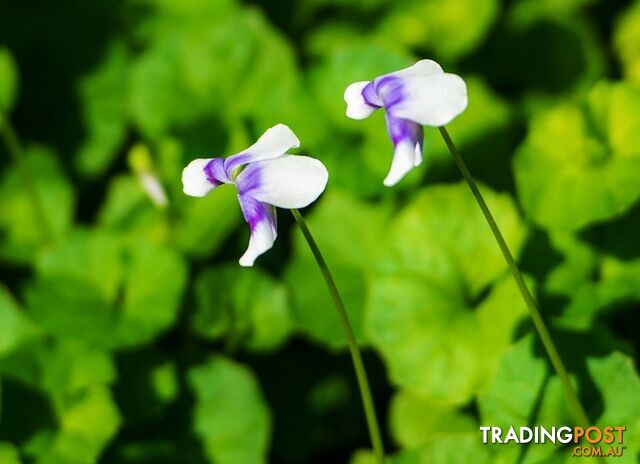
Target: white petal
(421, 68)
(194, 178)
(357, 107)
(288, 182)
(405, 157)
(431, 100)
(262, 239)
(272, 144)
(418, 155)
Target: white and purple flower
(420, 95)
(265, 177)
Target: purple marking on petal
(255, 212)
(249, 179)
(402, 129)
(370, 96)
(214, 170)
(390, 90)
(234, 161)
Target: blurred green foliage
(129, 334)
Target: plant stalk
(550, 347)
(361, 374)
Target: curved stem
(363, 384)
(15, 150)
(538, 322)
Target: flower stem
(361, 374)
(15, 150)
(538, 322)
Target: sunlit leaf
(415, 419)
(9, 454)
(87, 423)
(627, 41)
(420, 309)
(580, 161)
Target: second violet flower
(420, 95)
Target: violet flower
(265, 177)
(420, 95)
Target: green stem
(538, 322)
(15, 150)
(361, 374)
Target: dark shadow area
(153, 434)
(575, 348)
(23, 411)
(318, 412)
(624, 324)
(547, 56)
(618, 237)
(538, 257)
(51, 56)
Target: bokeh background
(130, 335)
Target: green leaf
(594, 283)
(415, 419)
(59, 368)
(420, 308)
(103, 95)
(349, 233)
(443, 236)
(21, 233)
(206, 222)
(88, 422)
(9, 454)
(95, 288)
(243, 306)
(15, 327)
(510, 398)
(209, 60)
(9, 82)
(231, 417)
(451, 29)
(579, 162)
(626, 41)
(619, 385)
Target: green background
(129, 334)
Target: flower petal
(407, 138)
(404, 160)
(201, 176)
(262, 222)
(272, 144)
(421, 68)
(361, 100)
(431, 100)
(287, 182)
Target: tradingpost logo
(590, 441)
